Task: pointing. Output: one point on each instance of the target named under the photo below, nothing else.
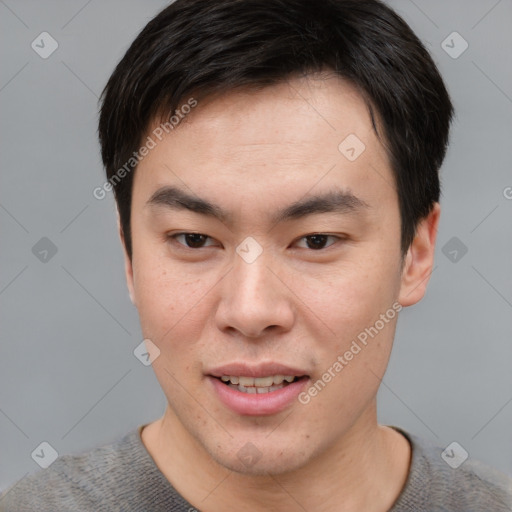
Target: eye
(318, 241)
(191, 240)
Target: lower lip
(254, 404)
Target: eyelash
(184, 233)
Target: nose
(254, 299)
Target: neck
(364, 470)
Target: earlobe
(419, 260)
(129, 281)
(128, 267)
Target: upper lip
(255, 370)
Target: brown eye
(318, 241)
(195, 240)
(191, 240)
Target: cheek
(350, 297)
(169, 301)
(173, 314)
(351, 366)
(355, 349)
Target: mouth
(257, 390)
(259, 385)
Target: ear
(419, 259)
(128, 267)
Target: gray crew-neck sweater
(123, 477)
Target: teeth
(246, 381)
(259, 382)
(257, 385)
(263, 382)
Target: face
(262, 250)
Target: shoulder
(463, 485)
(74, 482)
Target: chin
(265, 460)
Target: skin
(253, 153)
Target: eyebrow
(333, 201)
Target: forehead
(306, 134)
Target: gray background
(68, 375)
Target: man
(275, 166)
